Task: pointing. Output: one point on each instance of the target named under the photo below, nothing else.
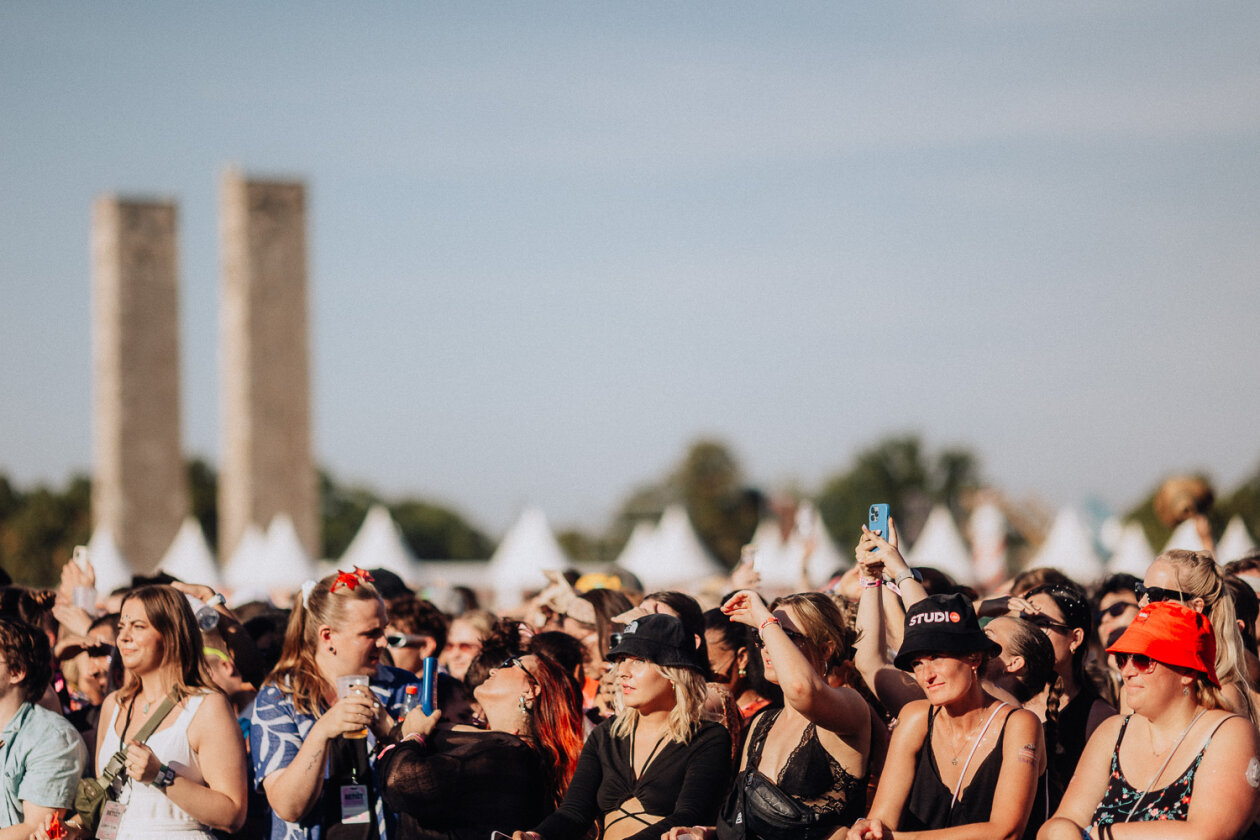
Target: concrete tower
(139, 490)
(267, 468)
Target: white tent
(527, 550)
(246, 570)
(1069, 547)
(639, 548)
(379, 544)
(112, 569)
(780, 560)
(678, 557)
(987, 530)
(189, 558)
(1133, 553)
(1235, 542)
(289, 566)
(1186, 537)
(941, 547)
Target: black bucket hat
(942, 624)
(659, 638)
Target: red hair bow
(350, 579)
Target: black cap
(659, 638)
(942, 624)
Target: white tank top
(149, 813)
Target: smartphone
(877, 520)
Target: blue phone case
(877, 519)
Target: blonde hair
(825, 624)
(1198, 575)
(297, 674)
(686, 716)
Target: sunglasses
(796, 637)
(515, 662)
(1116, 610)
(1140, 661)
(403, 640)
(1159, 593)
(1045, 622)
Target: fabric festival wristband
(761, 631)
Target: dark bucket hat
(659, 638)
(942, 624)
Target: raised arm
(840, 710)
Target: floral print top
(1166, 803)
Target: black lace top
(812, 776)
(463, 784)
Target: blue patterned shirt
(276, 734)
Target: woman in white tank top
(189, 776)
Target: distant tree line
(40, 526)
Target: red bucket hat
(1174, 635)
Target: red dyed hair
(557, 723)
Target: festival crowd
(891, 704)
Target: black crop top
(683, 784)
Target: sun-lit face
(93, 665)
(359, 638)
(139, 645)
(1149, 685)
(510, 680)
(1063, 638)
(1000, 630)
(643, 687)
(408, 658)
(944, 678)
(463, 643)
(790, 623)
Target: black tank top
(929, 805)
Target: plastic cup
(347, 685)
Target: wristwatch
(165, 776)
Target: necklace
(974, 732)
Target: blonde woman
(299, 727)
(1192, 579)
(656, 764)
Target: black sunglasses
(1045, 622)
(794, 635)
(1140, 661)
(515, 662)
(1116, 610)
(1159, 593)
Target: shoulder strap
(953, 799)
(159, 715)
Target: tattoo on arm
(1028, 753)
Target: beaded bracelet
(761, 631)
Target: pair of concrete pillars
(139, 487)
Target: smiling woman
(300, 726)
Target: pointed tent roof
(244, 570)
(1133, 555)
(678, 555)
(987, 530)
(639, 547)
(288, 563)
(941, 546)
(1185, 536)
(379, 544)
(189, 557)
(1235, 542)
(112, 569)
(1069, 547)
(781, 559)
(527, 550)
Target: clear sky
(551, 244)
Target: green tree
(897, 471)
(342, 510)
(203, 498)
(437, 533)
(41, 528)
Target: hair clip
(307, 589)
(351, 579)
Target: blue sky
(551, 244)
